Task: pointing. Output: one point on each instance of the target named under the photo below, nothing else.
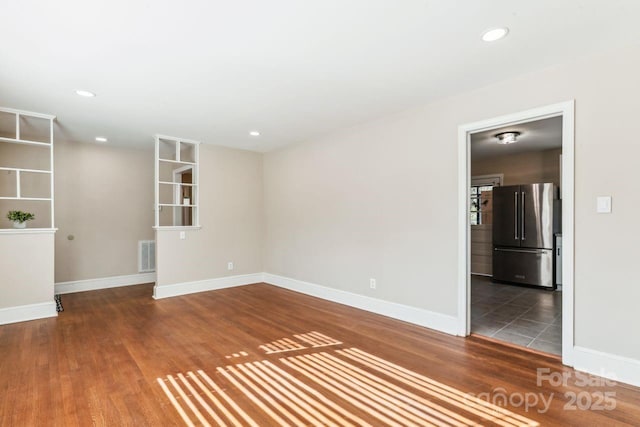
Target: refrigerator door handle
(515, 210)
(522, 216)
(526, 251)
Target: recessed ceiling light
(495, 34)
(507, 137)
(254, 133)
(101, 139)
(85, 93)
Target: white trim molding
(418, 316)
(28, 231)
(566, 111)
(612, 366)
(488, 179)
(22, 313)
(177, 289)
(104, 283)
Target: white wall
(231, 208)
(380, 200)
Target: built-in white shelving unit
(176, 182)
(26, 167)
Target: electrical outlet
(372, 283)
(230, 265)
(183, 235)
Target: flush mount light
(495, 34)
(101, 139)
(507, 137)
(254, 133)
(85, 93)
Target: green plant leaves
(19, 216)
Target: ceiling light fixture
(85, 93)
(101, 139)
(507, 137)
(495, 34)
(254, 133)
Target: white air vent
(146, 256)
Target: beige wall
(231, 220)
(380, 200)
(375, 201)
(104, 198)
(523, 168)
(26, 269)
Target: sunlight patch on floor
(311, 339)
(343, 387)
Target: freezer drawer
(525, 266)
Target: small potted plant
(20, 218)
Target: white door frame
(566, 110)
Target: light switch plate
(603, 204)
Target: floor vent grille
(146, 256)
(58, 300)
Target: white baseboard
(104, 283)
(185, 288)
(23, 313)
(617, 368)
(418, 316)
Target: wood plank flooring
(260, 355)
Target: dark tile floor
(524, 316)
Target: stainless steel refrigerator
(525, 220)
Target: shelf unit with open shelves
(26, 167)
(176, 182)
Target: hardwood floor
(260, 355)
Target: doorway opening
(516, 203)
(183, 196)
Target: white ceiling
(213, 70)
(539, 135)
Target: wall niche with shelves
(176, 186)
(26, 167)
